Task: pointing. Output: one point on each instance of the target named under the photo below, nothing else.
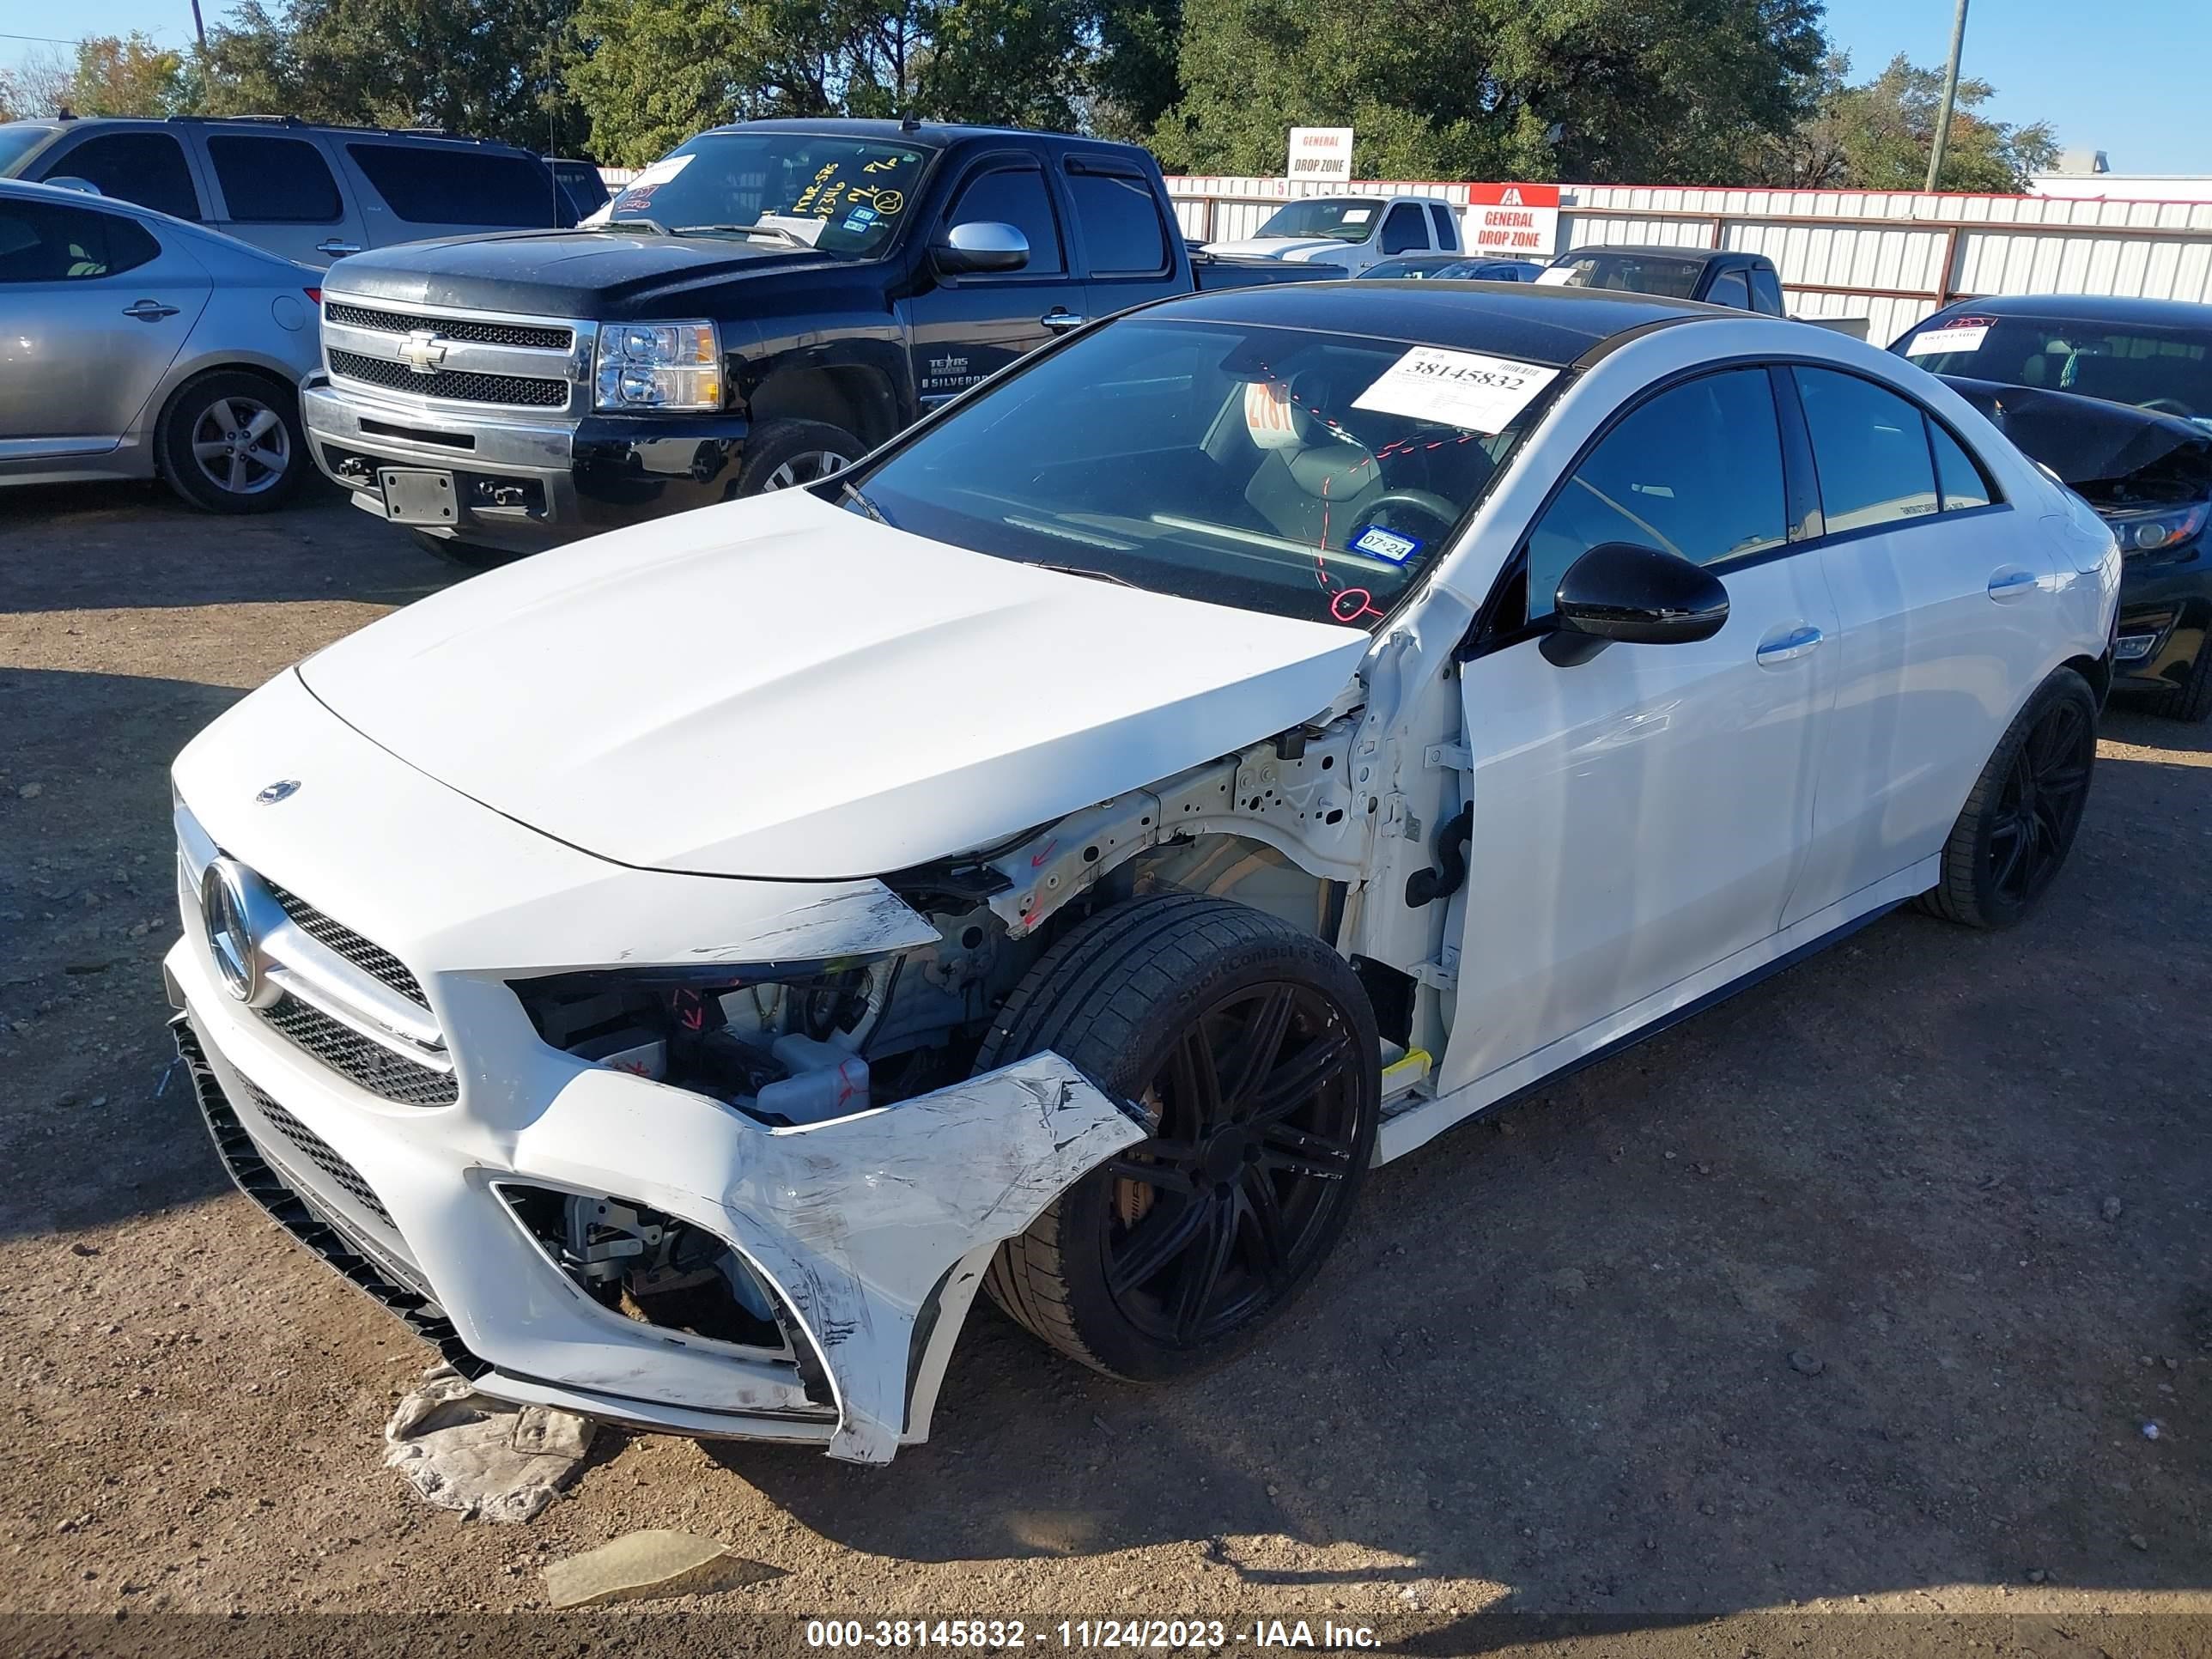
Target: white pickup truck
(1354, 232)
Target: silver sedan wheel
(241, 445)
(810, 467)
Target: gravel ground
(1855, 1295)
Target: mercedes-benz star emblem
(225, 910)
(282, 789)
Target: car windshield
(2166, 370)
(840, 195)
(1287, 471)
(17, 140)
(1630, 273)
(1340, 218)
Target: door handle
(335, 248)
(149, 311)
(1060, 320)
(1797, 642)
(2012, 584)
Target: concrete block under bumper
(875, 1230)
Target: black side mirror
(980, 245)
(1637, 595)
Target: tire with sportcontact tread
(1248, 1046)
(2012, 835)
(230, 442)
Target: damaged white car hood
(778, 687)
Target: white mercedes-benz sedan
(1060, 855)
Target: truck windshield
(1301, 473)
(841, 195)
(2165, 370)
(1340, 218)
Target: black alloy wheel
(2039, 806)
(1247, 1047)
(1235, 1196)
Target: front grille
(450, 328)
(373, 959)
(320, 1152)
(456, 386)
(284, 1207)
(345, 1051)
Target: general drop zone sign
(1516, 219)
(1322, 154)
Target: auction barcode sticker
(1464, 389)
(1960, 334)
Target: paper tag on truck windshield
(1960, 334)
(1464, 389)
(637, 195)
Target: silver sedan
(134, 345)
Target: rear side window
(41, 242)
(1730, 288)
(1870, 450)
(1120, 223)
(1696, 471)
(446, 185)
(1766, 292)
(1403, 231)
(1440, 217)
(1957, 474)
(274, 181)
(146, 167)
(1016, 196)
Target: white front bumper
(873, 1230)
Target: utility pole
(1943, 110)
(199, 27)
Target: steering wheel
(1426, 502)
(2169, 406)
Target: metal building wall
(1890, 256)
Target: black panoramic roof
(2091, 308)
(1551, 325)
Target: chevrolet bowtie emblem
(422, 351)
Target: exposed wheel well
(855, 398)
(2098, 671)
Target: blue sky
(2128, 77)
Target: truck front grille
(359, 1059)
(370, 957)
(521, 391)
(449, 328)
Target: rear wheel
(1251, 1049)
(2018, 825)
(231, 442)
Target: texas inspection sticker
(1382, 543)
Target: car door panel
(961, 329)
(1945, 621)
(82, 352)
(1643, 814)
(1638, 817)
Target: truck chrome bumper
(523, 483)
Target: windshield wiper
(1087, 574)
(852, 494)
(653, 225)
(780, 232)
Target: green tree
(1665, 90)
(129, 75)
(491, 68)
(1878, 136)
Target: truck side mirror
(979, 246)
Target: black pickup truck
(768, 302)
